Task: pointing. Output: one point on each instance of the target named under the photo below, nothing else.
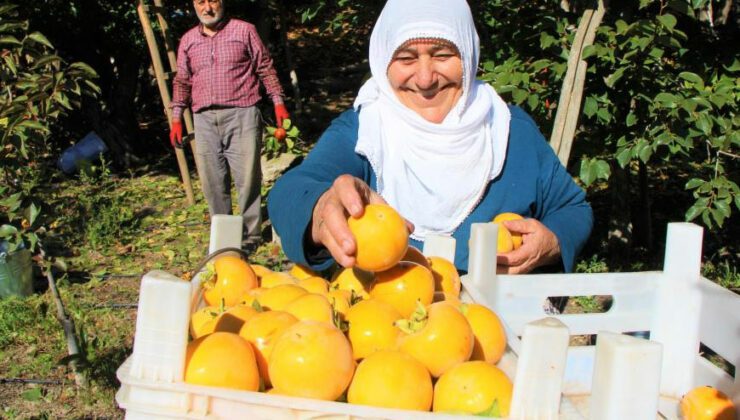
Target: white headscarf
(433, 174)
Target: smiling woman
(426, 76)
(436, 144)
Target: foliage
(274, 147)
(36, 88)
(653, 97)
(653, 93)
(113, 216)
(18, 230)
(340, 15)
(593, 265)
(526, 61)
(724, 273)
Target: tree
(661, 95)
(37, 88)
(106, 35)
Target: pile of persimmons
(390, 332)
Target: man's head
(210, 12)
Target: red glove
(176, 133)
(281, 113)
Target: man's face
(209, 12)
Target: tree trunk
(643, 216)
(620, 224)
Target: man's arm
(264, 67)
(182, 83)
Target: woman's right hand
(346, 197)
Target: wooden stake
(151, 41)
(69, 330)
(571, 93)
(170, 47)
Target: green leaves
(37, 89)
(593, 169)
(668, 21)
(650, 93)
(273, 146)
(692, 78)
(614, 77)
(40, 38)
(714, 200)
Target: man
(220, 63)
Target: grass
(724, 273)
(107, 231)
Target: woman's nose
(425, 74)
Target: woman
(438, 145)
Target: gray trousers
(228, 143)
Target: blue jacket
(533, 183)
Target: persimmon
(371, 327)
(260, 270)
(278, 297)
(222, 359)
(209, 319)
(490, 336)
(262, 330)
(280, 134)
(403, 285)
(353, 280)
(707, 403)
(505, 242)
(228, 279)
(232, 319)
(473, 387)
(276, 278)
(516, 238)
(438, 336)
(203, 321)
(314, 284)
(414, 255)
(391, 379)
(446, 297)
(341, 301)
(252, 295)
(311, 306)
(311, 359)
(301, 272)
(446, 277)
(381, 236)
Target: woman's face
(427, 78)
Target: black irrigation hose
(118, 276)
(32, 381)
(242, 254)
(115, 306)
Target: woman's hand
(539, 247)
(346, 197)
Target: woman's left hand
(539, 247)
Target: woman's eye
(444, 56)
(405, 58)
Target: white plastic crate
(551, 380)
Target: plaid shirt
(223, 69)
